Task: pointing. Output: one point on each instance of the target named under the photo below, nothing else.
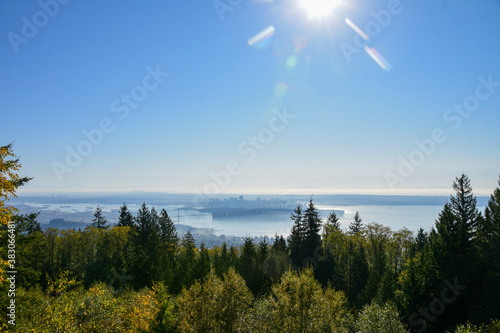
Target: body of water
(395, 217)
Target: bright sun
(318, 8)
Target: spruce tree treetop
(332, 224)
(463, 203)
(99, 221)
(445, 236)
(312, 224)
(333, 221)
(494, 205)
(248, 248)
(455, 233)
(126, 219)
(297, 233)
(296, 216)
(263, 249)
(297, 237)
(168, 232)
(421, 239)
(357, 224)
(144, 220)
(491, 225)
(188, 240)
(279, 243)
(27, 224)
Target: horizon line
(298, 191)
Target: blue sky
(328, 118)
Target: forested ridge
(140, 275)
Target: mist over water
(396, 217)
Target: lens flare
(384, 64)
(261, 36)
(357, 29)
(318, 8)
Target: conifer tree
(186, 265)
(189, 243)
(247, 265)
(99, 221)
(332, 224)
(312, 223)
(489, 249)
(168, 232)
(297, 237)
(278, 260)
(421, 239)
(356, 225)
(167, 247)
(490, 229)
(144, 239)
(463, 206)
(126, 219)
(360, 274)
(222, 261)
(27, 224)
(452, 247)
(263, 253)
(279, 243)
(203, 265)
(333, 221)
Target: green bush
(214, 305)
(297, 304)
(377, 318)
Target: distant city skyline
(373, 97)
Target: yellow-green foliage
(375, 318)
(215, 304)
(298, 303)
(166, 318)
(9, 183)
(67, 307)
(493, 327)
(53, 311)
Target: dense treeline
(140, 275)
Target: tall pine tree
(99, 221)
(185, 270)
(247, 265)
(312, 224)
(126, 219)
(356, 225)
(463, 206)
(297, 238)
(489, 249)
(168, 244)
(453, 249)
(145, 247)
(168, 232)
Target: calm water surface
(395, 217)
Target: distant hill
(64, 225)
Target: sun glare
(318, 8)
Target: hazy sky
(177, 96)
